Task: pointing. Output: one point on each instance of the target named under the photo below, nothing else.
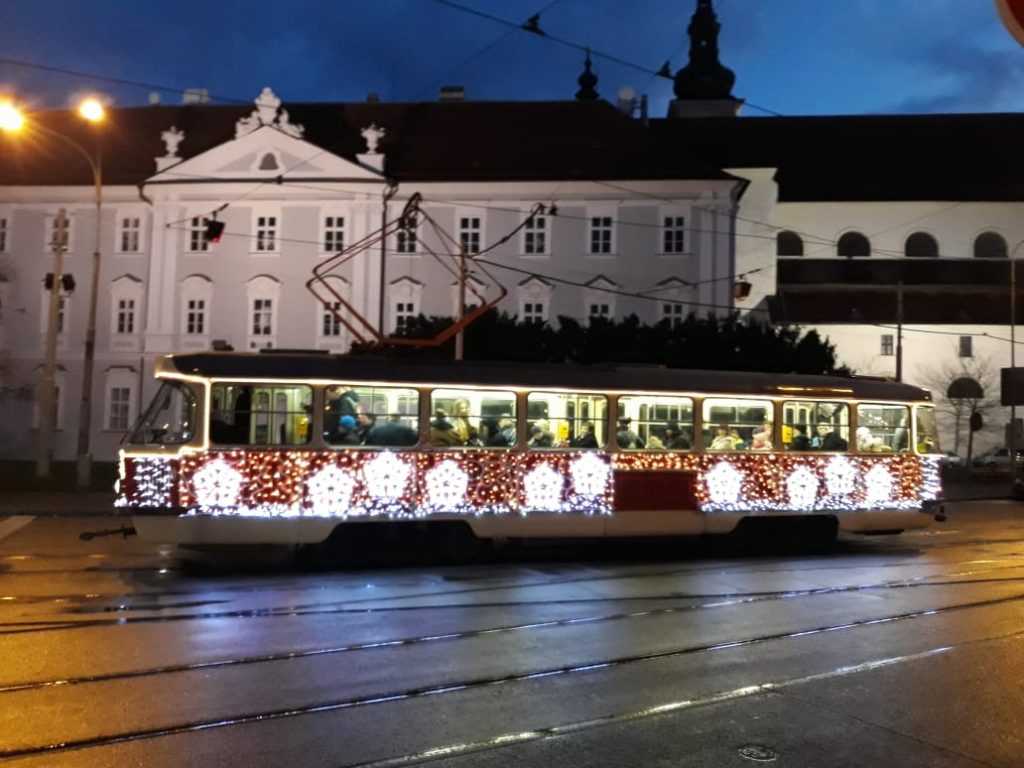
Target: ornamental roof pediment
(264, 154)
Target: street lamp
(91, 110)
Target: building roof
(424, 141)
(869, 158)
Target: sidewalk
(92, 503)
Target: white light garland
(802, 486)
(931, 480)
(724, 483)
(879, 485)
(840, 476)
(154, 482)
(330, 491)
(543, 489)
(386, 476)
(446, 486)
(590, 475)
(217, 484)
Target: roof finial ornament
(704, 77)
(267, 112)
(372, 134)
(587, 81)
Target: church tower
(703, 87)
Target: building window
(330, 322)
(673, 234)
(600, 310)
(334, 234)
(990, 245)
(673, 313)
(266, 234)
(469, 234)
(405, 313)
(263, 317)
(195, 317)
(535, 235)
(405, 241)
(52, 234)
(789, 244)
(125, 316)
(3, 235)
(921, 245)
(966, 346)
(197, 242)
(887, 344)
(61, 307)
(853, 244)
(129, 234)
(600, 234)
(533, 312)
(119, 408)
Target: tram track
(723, 600)
(481, 682)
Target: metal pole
(47, 399)
(389, 191)
(460, 310)
(899, 331)
(88, 362)
(1012, 440)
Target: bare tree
(957, 410)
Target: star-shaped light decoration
(386, 476)
(724, 483)
(840, 476)
(543, 489)
(217, 484)
(446, 486)
(330, 490)
(590, 475)
(879, 485)
(802, 486)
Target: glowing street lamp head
(92, 110)
(11, 118)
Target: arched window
(853, 244)
(789, 244)
(921, 244)
(990, 245)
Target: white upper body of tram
(253, 448)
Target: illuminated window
(261, 414)
(882, 428)
(927, 430)
(566, 420)
(376, 416)
(654, 423)
(472, 418)
(810, 425)
(737, 424)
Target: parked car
(997, 457)
(951, 459)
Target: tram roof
(306, 366)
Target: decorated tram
(295, 447)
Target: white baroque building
(867, 228)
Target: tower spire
(705, 83)
(587, 81)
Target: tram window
(658, 422)
(472, 418)
(566, 420)
(810, 425)
(883, 428)
(927, 432)
(737, 423)
(355, 414)
(170, 417)
(261, 414)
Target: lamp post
(1012, 438)
(92, 111)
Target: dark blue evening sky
(790, 56)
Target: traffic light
(214, 230)
(67, 282)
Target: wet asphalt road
(885, 651)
